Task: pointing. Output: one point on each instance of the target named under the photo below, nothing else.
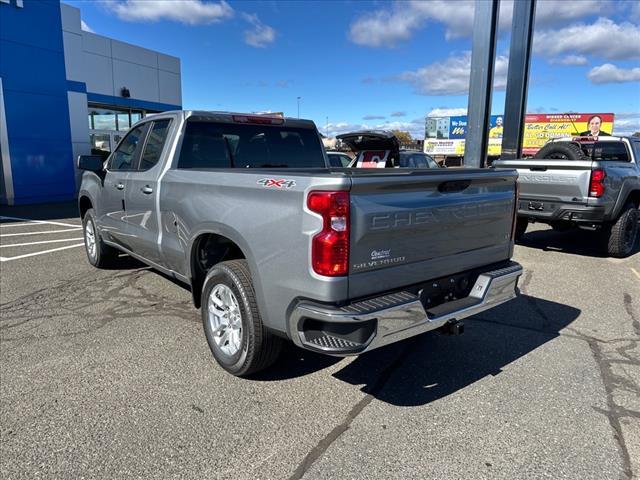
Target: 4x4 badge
(276, 183)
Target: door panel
(120, 164)
(141, 193)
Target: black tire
(103, 256)
(561, 151)
(259, 348)
(623, 234)
(521, 228)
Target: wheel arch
(84, 204)
(207, 249)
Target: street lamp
(298, 98)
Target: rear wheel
(623, 234)
(232, 323)
(99, 254)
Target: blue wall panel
(35, 93)
(37, 176)
(29, 69)
(37, 116)
(37, 24)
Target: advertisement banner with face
(538, 129)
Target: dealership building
(66, 92)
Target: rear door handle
(147, 190)
(120, 186)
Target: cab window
(155, 143)
(124, 156)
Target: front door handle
(120, 186)
(147, 190)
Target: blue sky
(379, 64)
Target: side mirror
(92, 163)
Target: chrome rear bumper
(369, 324)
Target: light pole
(326, 129)
(298, 98)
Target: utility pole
(298, 106)
(483, 55)
(524, 12)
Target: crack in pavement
(322, 446)
(96, 302)
(611, 382)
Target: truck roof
(587, 139)
(243, 117)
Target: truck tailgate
(552, 180)
(418, 226)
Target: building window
(102, 119)
(113, 119)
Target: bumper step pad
(329, 341)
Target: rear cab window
(610, 152)
(613, 151)
(213, 145)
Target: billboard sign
(538, 129)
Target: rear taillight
(596, 185)
(515, 210)
(330, 247)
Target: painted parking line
(636, 272)
(40, 233)
(41, 243)
(7, 259)
(29, 221)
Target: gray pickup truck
(276, 245)
(583, 182)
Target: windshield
(209, 145)
(416, 160)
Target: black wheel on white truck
(238, 339)
(622, 235)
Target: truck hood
(371, 140)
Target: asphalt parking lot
(107, 374)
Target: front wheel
(623, 234)
(99, 254)
(232, 323)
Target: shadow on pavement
(432, 366)
(52, 211)
(574, 241)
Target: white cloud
(86, 27)
(447, 112)
(389, 26)
(451, 76)
(626, 123)
(609, 73)
(398, 114)
(603, 38)
(573, 60)
(373, 117)
(260, 35)
(191, 12)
